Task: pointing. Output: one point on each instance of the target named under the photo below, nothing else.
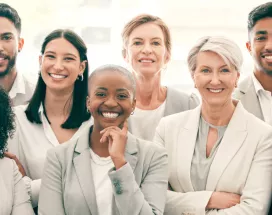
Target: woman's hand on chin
(117, 139)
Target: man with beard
(19, 88)
(255, 91)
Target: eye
(50, 56)
(225, 70)
(100, 94)
(68, 59)
(7, 37)
(261, 38)
(122, 96)
(137, 43)
(205, 71)
(156, 43)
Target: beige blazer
(242, 164)
(14, 199)
(139, 188)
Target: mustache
(3, 55)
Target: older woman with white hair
(220, 155)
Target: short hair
(7, 126)
(143, 19)
(115, 68)
(260, 12)
(225, 48)
(79, 112)
(12, 15)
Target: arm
(21, 201)
(51, 199)
(149, 197)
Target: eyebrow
(6, 34)
(48, 52)
(118, 90)
(261, 32)
(154, 38)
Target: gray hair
(115, 68)
(225, 48)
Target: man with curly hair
(14, 198)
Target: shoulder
(7, 167)
(172, 92)
(178, 117)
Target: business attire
(139, 187)
(143, 123)
(30, 143)
(242, 163)
(14, 199)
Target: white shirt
(30, 144)
(265, 99)
(144, 122)
(102, 183)
(21, 91)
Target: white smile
(146, 61)
(268, 57)
(57, 76)
(215, 90)
(110, 115)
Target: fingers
(125, 127)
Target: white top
(102, 183)
(30, 144)
(265, 100)
(144, 122)
(21, 91)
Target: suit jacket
(246, 93)
(242, 164)
(139, 187)
(13, 195)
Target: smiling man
(255, 91)
(19, 88)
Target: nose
(268, 45)
(58, 65)
(111, 102)
(147, 49)
(215, 79)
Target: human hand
(223, 200)
(18, 163)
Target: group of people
(116, 141)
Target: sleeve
(21, 201)
(193, 101)
(33, 189)
(255, 198)
(146, 199)
(51, 200)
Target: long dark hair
(78, 112)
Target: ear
(82, 66)
(20, 44)
(133, 104)
(125, 55)
(248, 45)
(167, 57)
(40, 60)
(88, 102)
(238, 76)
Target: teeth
(215, 90)
(268, 57)
(110, 115)
(146, 61)
(57, 76)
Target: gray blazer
(246, 93)
(138, 188)
(13, 195)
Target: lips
(146, 60)
(58, 76)
(219, 90)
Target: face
(214, 79)
(260, 45)
(60, 65)
(110, 102)
(10, 43)
(146, 52)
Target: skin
(147, 54)
(213, 74)
(109, 135)
(10, 44)
(260, 47)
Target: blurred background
(100, 22)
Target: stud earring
(132, 113)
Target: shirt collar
(257, 85)
(18, 86)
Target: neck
(149, 92)
(7, 81)
(218, 115)
(264, 79)
(101, 149)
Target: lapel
(82, 164)
(249, 98)
(233, 139)
(185, 149)
(131, 151)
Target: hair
(115, 68)
(225, 48)
(12, 15)
(7, 126)
(143, 19)
(258, 13)
(79, 112)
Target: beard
(10, 66)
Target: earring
(132, 113)
(81, 76)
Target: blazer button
(117, 186)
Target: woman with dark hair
(13, 198)
(57, 110)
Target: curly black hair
(7, 126)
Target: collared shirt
(21, 91)
(30, 143)
(265, 99)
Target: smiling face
(111, 99)
(146, 52)
(60, 65)
(214, 79)
(260, 46)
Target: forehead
(263, 25)
(7, 26)
(61, 46)
(210, 59)
(147, 30)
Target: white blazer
(242, 164)
(14, 199)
